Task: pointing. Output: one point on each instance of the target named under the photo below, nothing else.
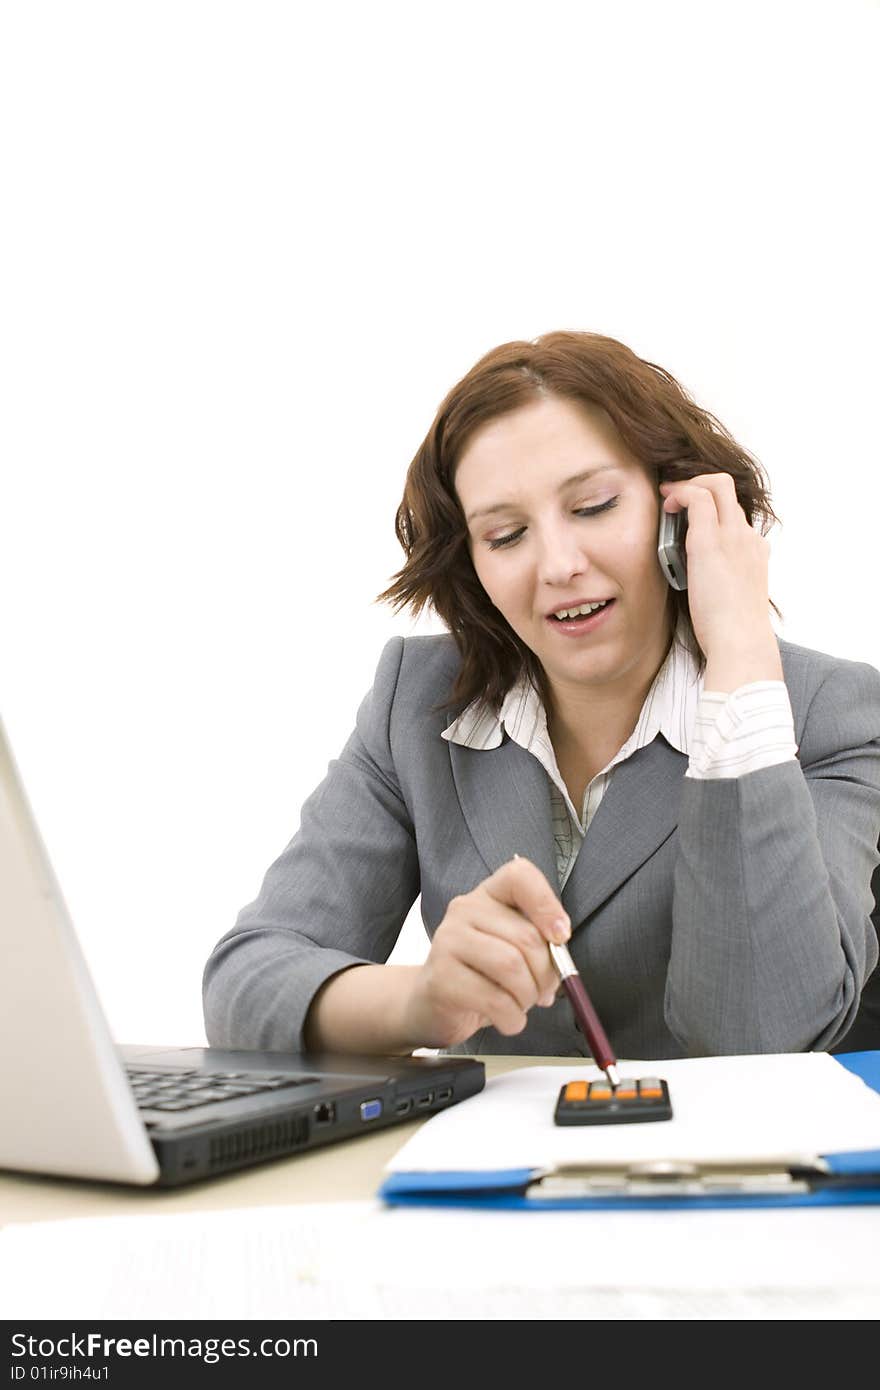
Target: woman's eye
(602, 507)
(509, 539)
(498, 542)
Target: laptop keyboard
(184, 1090)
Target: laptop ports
(425, 1101)
(444, 1095)
(403, 1107)
(325, 1113)
(371, 1109)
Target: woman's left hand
(727, 565)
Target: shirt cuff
(745, 731)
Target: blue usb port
(371, 1109)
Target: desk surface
(349, 1171)
(798, 1263)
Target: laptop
(73, 1104)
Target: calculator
(600, 1103)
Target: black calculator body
(600, 1103)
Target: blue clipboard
(845, 1179)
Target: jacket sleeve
(772, 936)
(337, 896)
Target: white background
(246, 250)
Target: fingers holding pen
(538, 903)
(521, 883)
(472, 999)
(496, 941)
(489, 959)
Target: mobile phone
(670, 548)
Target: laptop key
(240, 1090)
(186, 1090)
(207, 1093)
(275, 1082)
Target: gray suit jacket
(708, 917)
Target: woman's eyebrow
(567, 482)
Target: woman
(694, 804)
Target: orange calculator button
(650, 1088)
(600, 1092)
(576, 1090)
(626, 1091)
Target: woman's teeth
(582, 612)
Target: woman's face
(560, 515)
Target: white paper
(363, 1260)
(256, 1263)
(784, 1106)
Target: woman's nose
(560, 557)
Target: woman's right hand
(489, 963)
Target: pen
(588, 1019)
(591, 1027)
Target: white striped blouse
(722, 736)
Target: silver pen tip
(562, 960)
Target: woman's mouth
(573, 622)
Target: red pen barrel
(591, 1027)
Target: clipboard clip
(677, 1178)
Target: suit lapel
(637, 813)
(504, 794)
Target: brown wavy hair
(657, 421)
